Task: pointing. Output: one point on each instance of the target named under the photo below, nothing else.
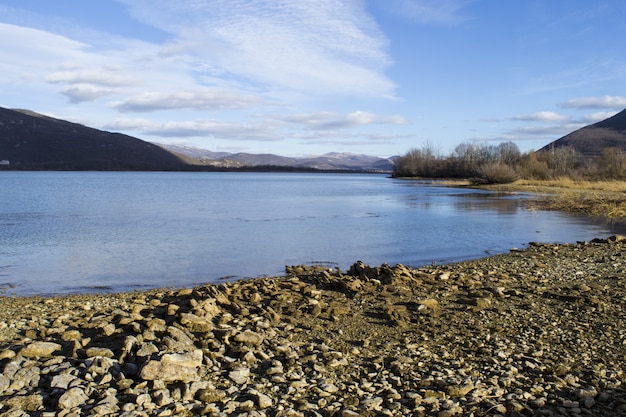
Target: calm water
(67, 232)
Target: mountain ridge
(590, 140)
(329, 161)
(34, 141)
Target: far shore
(595, 198)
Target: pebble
(538, 331)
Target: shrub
(497, 173)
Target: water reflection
(86, 232)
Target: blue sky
(307, 77)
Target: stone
(249, 337)
(430, 304)
(196, 323)
(108, 329)
(187, 359)
(72, 398)
(461, 390)
(62, 381)
(32, 402)
(7, 354)
(239, 376)
(209, 395)
(40, 349)
(171, 369)
(209, 308)
(98, 351)
(4, 383)
(263, 401)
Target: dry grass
(596, 198)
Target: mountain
(31, 141)
(333, 161)
(591, 140)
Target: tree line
(503, 163)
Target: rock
(263, 401)
(430, 304)
(188, 359)
(4, 383)
(6, 354)
(173, 367)
(462, 390)
(62, 381)
(196, 323)
(98, 351)
(239, 376)
(72, 398)
(208, 308)
(314, 344)
(108, 329)
(249, 338)
(178, 341)
(40, 349)
(32, 402)
(211, 395)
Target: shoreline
(538, 331)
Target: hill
(591, 140)
(334, 161)
(31, 141)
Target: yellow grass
(596, 198)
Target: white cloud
(109, 77)
(605, 102)
(320, 47)
(331, 120)
(79, 93)
(598, 117)
(206, 99)
(36, 52)
(542, 116)
(546, 132)
(429, 11)
(200, 128)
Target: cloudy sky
(306, 77)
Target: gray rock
(72, 398)
(239, 376)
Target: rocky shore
(534, 332)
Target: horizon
(302, 79)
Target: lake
(76, 232)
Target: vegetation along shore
(533, 332)
(539, 331)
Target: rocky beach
(533, 332)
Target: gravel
(535, 332)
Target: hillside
(31, 141)
(334, 161)
(591, 140)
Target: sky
(308, 77)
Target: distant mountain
(326, 162)
(31, 141)
(591, 140)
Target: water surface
(67, 232)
